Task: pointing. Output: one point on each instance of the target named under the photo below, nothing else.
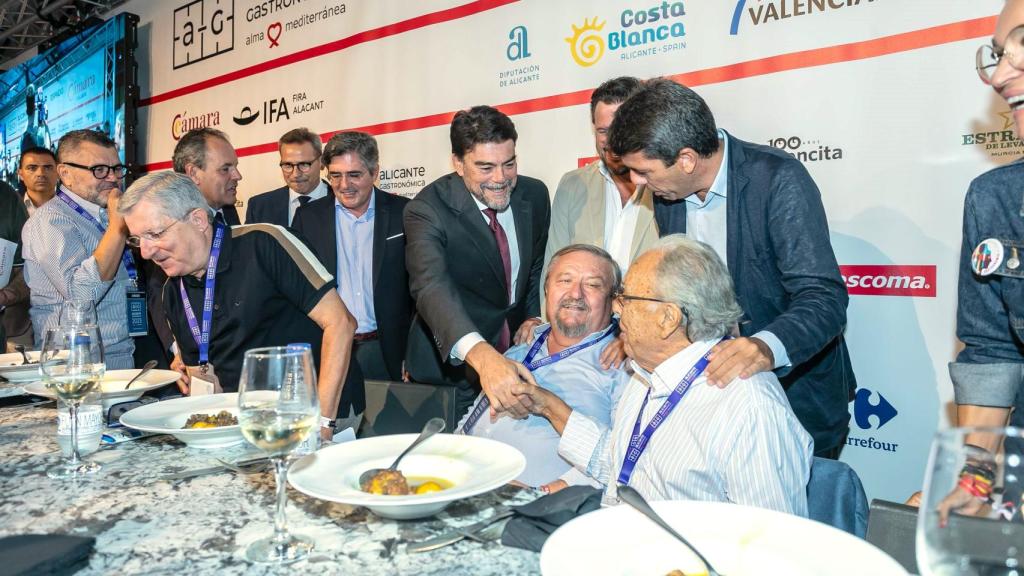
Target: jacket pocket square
(395, 236)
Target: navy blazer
(268, 207)
(787, 280)
(392, 305)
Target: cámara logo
(889, 280)
(184, 122)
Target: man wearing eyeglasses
(300, 167)
(74, 247)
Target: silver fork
(246, 467)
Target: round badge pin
(987, 257)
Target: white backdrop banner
(878, 98)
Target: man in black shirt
(267, 289)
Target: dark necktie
(219, 217)
(506, 262)
(303, 200)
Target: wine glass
(77, 312)
(278, 409)
(71, 364)
(969, 522)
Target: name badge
(138, 313)
(203, 380)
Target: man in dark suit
(762, 213)
(475, 251)
(300, 167)
(357, 235)
(206, 156)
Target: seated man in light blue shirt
(564, 358)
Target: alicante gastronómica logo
(869, 415)
(640, 33)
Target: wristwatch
(326, 422)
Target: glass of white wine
(71, 364)
(278, 409)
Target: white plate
(472, 465)
(11, 367)
(168, 417)
(113, 384)
(739, 540)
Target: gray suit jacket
(578, 212)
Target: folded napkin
(44, 554)
(534, 522)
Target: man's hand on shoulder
(525, 333)
(498, 377)
(738, 358)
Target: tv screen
(88, 80)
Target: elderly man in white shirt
(673, 436)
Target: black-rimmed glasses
(101, 171)
(291, 166)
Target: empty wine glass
(71, 364)
(77, 312)
(969, 522)
(278, 409)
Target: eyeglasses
(621, 298)
(136, 241)
(291, 166)
(101, 171)
(988, 57)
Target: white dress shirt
(293, 199)
(619, 221)
(706, 221)
(508, 222)
(740, 444)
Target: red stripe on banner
(361, 38)
(904, 42)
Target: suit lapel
(644, 221)
(329, 228)
(737, 184)
(524, 234)
(281, 208)
(381, 219)
(461, 201)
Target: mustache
(502, 186)
(570, 303)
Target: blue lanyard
(126, 256)
(202, 336)
(638, 442)
(532, 366)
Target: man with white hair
(564, 358)
(233, 289)
(673, 436)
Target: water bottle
(90, 425)
(294, 371)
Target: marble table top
(143, 524)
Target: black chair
(892, 528)
(404, 407)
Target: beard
(491, 202)
(572, 330)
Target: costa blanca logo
(765, 11)
(184, 122)
(889, 280)
(202, 29)
(586, 45)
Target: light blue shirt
(581, 383)
(706, 221)
(355, 262)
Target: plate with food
(113, 383)
(738, 540)
(445, 468)
(198, 421)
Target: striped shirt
(58, 245)
(740, 444)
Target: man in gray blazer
(598, 204)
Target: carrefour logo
(648, 29)
(864, 409)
